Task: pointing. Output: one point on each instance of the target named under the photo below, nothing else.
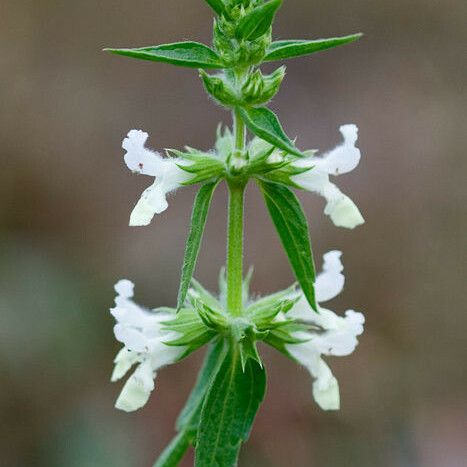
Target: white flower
(344, 158)
(168, 175)
(337, 335)
(143, 336)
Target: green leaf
(280, 50)
(174, 452)
(190, 414)
(188, 420)
(228, 411)
(217, 5)
(189, 54)
(198, 222)
(258, 21)
(265, 124)
(291, 225)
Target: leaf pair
(195, 55)
(291, 224)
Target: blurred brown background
(65, 199)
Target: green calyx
(204, 317)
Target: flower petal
(325, 386)
(138, 158)
(345, 157)
(137, 389)
(341, 209)
(124, 360)
(330, 282)
(124, 288)
(340, 336)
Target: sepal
(204, 166)
(283, 174)
(220, 89)
(263, 311)
(260, 89)
(192, 332)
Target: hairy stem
(239, 128)
(235, 249)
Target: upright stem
(235, 230)
(235, 250)
(239, 128)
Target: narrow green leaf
(188, 420)
(291, 225)
(174, 452)
(190, 414)
(265, 124)
(198, 222)
(258, 21)
(280, 50)
(228, 411)
(189, 54)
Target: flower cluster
(152, 339)
(309, 173)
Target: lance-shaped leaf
(228, 411)
(280, 50)
(188, 420)
(291, 225)
(198, 222)
(258, 21)
(217, 5)
(189, 54)
(265, 124)
(190, 414)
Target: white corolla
(342, 159)
(143, 335)
(336, 335)
(169, 176)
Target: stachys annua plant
(219, 413)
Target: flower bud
(260, 89)
(219, 89)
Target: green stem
(239, 128)
(235, 229)
(235, 249)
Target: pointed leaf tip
(281, 50)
